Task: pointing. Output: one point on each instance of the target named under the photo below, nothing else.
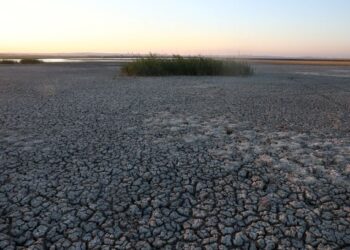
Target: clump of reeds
(187, 66)
(30, 61)
(5, 61)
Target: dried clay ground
(92, 160)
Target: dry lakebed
(93, 160)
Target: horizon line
(246, 56)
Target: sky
(298, 28)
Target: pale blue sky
(250, 27)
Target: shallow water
(79, 60)
(345, 73)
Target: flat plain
(92, 160)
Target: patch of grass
(8, 62)
(191, 66)
(30, 61)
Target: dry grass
(8, 62)
(190, 66)
(30, 61)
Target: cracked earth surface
(93, 161)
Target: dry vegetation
(189, 66)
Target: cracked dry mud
(92, 162)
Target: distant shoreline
(121, 58)
(318, 62)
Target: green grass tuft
(30, 61)
(192, 66)
(8, 62)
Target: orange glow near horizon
(201, 27)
